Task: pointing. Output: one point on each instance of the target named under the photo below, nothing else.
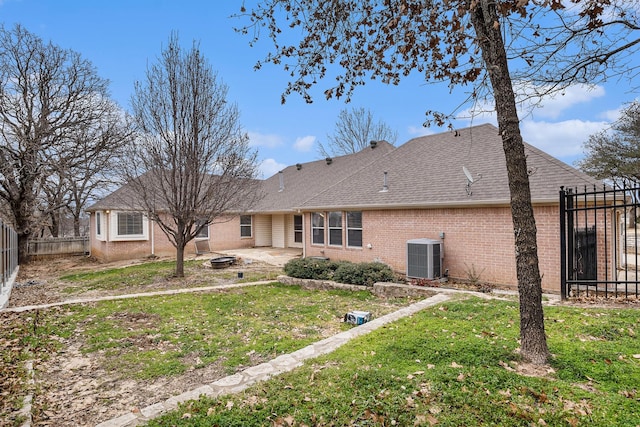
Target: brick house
(449, 187)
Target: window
(98, 224)
(335, 228)
(297, 228)
(129, 224)
(354, 229)
(317, 228)
(245, 226)
(204, 231)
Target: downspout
(304, 236)
(153, 241)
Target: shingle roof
(312, 178)
(428, 171)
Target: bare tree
(615, 154)
(46, 95)
(191, 165)
(460, 42)
(354, 131)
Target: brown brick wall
(222, 235)
(475, 238)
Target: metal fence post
(563, 246)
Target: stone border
(283, 363)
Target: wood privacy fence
(59, 246)
(8, 255)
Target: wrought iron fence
(599, 242)
(8, 255)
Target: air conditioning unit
(424, 259)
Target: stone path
(284, 363)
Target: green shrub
(364, 273)
(340, 271)
(311, 268)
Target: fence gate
(599, 242)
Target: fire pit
(223, 261)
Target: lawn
(452, 365)
(95, 361)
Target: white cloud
(530, 102)
(265, 140)
(564, 139)
(420, 131)
(304, 143)
(270, 167)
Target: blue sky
(120, 37)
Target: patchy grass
(451, 365)
(127, 277)
(158, 336)
(14, 338)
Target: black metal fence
(599, 242)
(8, 257)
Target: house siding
(262, 230)
(278, 231)
(474, 238)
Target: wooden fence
(59, 246)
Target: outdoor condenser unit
(424, 259)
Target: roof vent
(373, 144)
(281, 176)
(329, 160)
(298, 166)
(385, 185)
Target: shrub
(364, 273)
(341, 271)
(311, 268)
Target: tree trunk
(76, 225)
(532, 335)
(23, 247)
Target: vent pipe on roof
(385, 186)
(281, 176)
(373, 144)
(298, 166)
(329, 160)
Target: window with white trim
(98, 224)
(317, 228)
(245, 226)
(297, 228)
(203, 233)
(354, 229)
(128, 226)
(335, 228)
(129, 223)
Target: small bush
(311, 268)
(340, 271)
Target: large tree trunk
(532, 335)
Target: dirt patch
(38, 282)
(77, 390)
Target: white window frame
(100, 224)
(250, 225)
(349, 227)
(203, 234)
(314, 227)
(124, 237)
(334, 228)
(298, 231)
